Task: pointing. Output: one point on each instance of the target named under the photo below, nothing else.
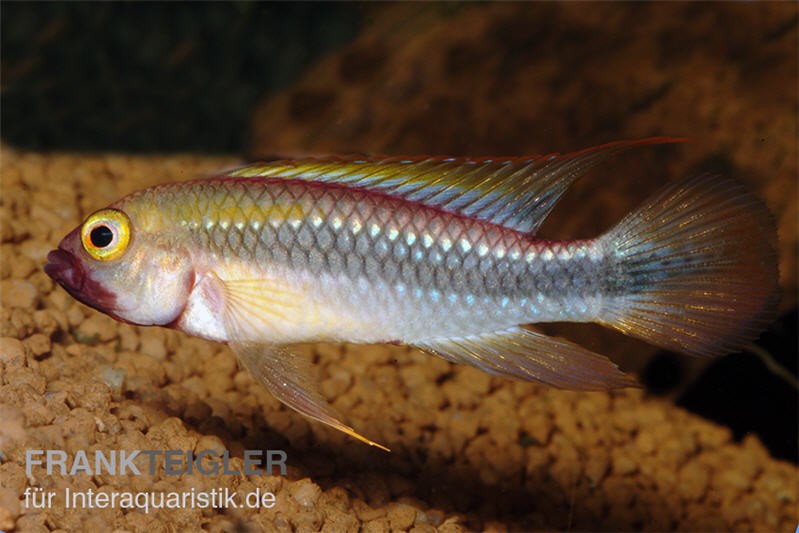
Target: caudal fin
(696, 268)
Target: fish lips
(67, 271)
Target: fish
(439, 253)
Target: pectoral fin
(288, 377)
(254, 307)
(529, 355)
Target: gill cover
(105, 234)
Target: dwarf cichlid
(440, 253)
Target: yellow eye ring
(105, 234)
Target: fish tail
(694, 269)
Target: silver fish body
(382, 271)
(438, 253)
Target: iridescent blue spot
(400, 250)
(381, 248)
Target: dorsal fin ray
(515, 192)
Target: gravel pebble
(19, 293)
(153, 346)
(305, 492)
(97, 328)
(39, 345)
(12, 352)
(401, 517)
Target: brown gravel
(470, 452)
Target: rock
(97, 328)
(153, 345)
(18, 293)
(12, 352)
(305, 492)
(39, 345)
(401, 517)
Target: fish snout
(65, 270)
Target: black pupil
(101, 236)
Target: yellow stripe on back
(515, 192)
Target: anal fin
(529, 355)
(288, 377)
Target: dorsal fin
(515, 192)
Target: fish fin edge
(257, 307)
(700, 268)
(525, 354)
(288, 377)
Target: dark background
(152, 77)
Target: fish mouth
(67, 271)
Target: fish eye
(101, 236)
(105, 234)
